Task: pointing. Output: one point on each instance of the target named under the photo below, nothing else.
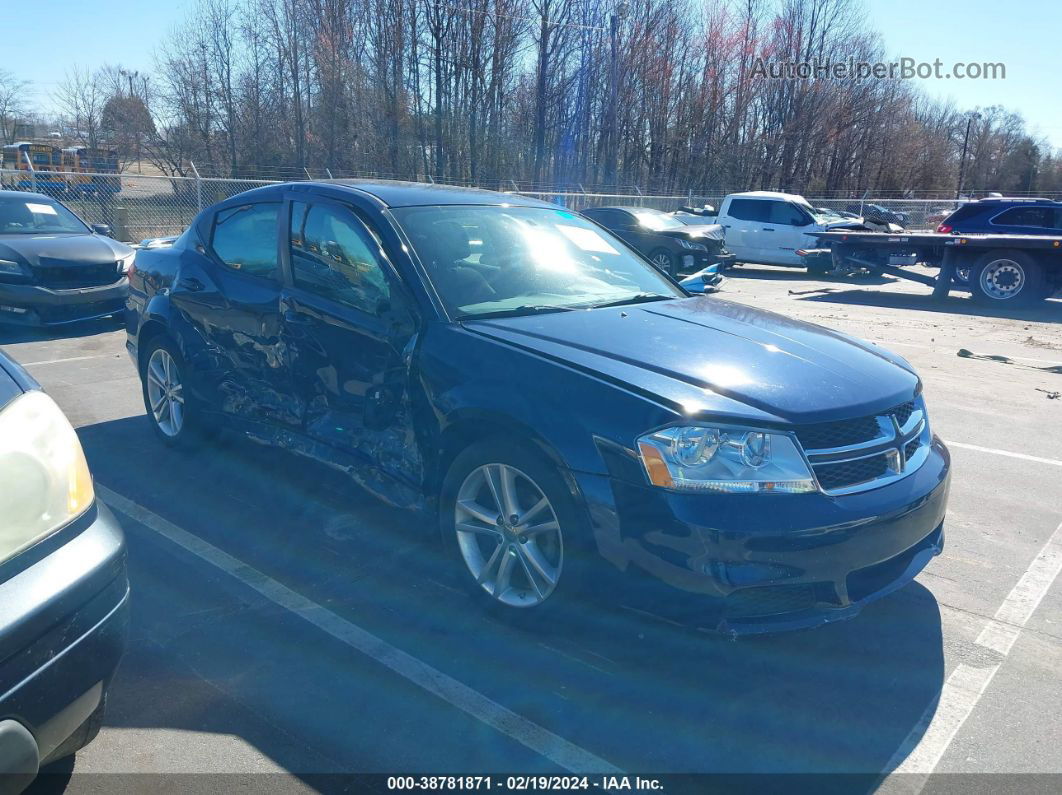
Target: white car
(768, 228)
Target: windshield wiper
(639, 298)
(516, 311)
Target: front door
(348, 327)
(783, 233)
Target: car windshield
(36, 215)
(656, 220)
(518, 260)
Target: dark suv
(1003, 216)
(671, 245)
(555, 407)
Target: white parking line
(72, 359)
(1035, 459)
(926, 744)
(529, 734)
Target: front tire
(512, 529)
(1007, 278)
(173, 418)
(663, 260)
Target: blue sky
(1023, 34)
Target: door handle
(191, 284)
(766, 229)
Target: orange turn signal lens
(655, 466)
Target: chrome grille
(837, 434)
(867, 452)
(847, 473)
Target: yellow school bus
(30, 166)
(89, 169)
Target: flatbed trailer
(1012, 270)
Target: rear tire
(173, 414)
(1007, 278)
(522, 570)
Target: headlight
(10, 268)
(44, 480)
(125, 263)
(725, 459)
(692, 246)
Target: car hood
(699, 232)
(703, 355)
(84, 249)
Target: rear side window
(333, 255)
(245, 238)
(1026, 216)
(749, 209)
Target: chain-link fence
(138, 207)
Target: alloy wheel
(662, 261)
(509, 535)
(165, 392)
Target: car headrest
(450, 242)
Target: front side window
(35, 216)
(787, 214)
(245, 238)
(486, 260)
(333, 255)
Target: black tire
(660, 256)
(1007, 277)
(192, 427)
(820, 269)
(574, 533)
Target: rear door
(227, 297)
(742, 221)
(348, 327)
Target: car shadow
(638, 691)
(11, 334)
(1049, 311)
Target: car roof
(629, 208)
(395, 193)
(24, 194)
(766, 194)
(1016, 200)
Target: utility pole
(611, 136)
(962, 161)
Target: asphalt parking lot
(284, 623)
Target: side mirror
(103, 229)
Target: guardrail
(140, 206)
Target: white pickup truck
(769, 228)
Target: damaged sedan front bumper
(753, 564)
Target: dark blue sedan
(560, 410)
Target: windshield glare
(657, 221)
(488, 259)
(35, 216)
